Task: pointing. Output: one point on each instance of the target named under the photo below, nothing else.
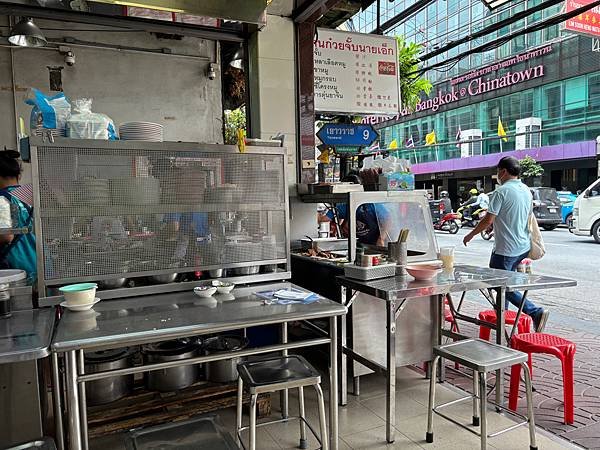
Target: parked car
(567, 201)
(546, 207)
(586, 212)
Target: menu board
(356, 73)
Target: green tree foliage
(530, 168)
(411, 84)
(234, 119)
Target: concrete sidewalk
(547, 381)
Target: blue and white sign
(347, 134)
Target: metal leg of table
(391, 371)
(356, 386)
(500, 340)
(333, 388)
(73, 402)
(283, 396)
(483, 408)
(57, 398)
(82, 401)
(346, 294)
(439, 325)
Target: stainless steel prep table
(162, 317)
(25, 338)
(396, 292)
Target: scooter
(470, 219)
(449, 222)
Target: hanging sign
(347, 134)
(356, 73)
(587, 22)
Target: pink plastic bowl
(423, 272)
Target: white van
(586, 212)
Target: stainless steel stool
(278, 374)
(481, 357)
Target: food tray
(369, 273)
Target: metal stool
(278, 374)
(481, 357)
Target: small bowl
(222, 287)
(423, 272)
(79, 294)
(205, 291)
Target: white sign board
(356, 73)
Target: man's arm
(481, 226)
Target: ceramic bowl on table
(423, 272)
(223, 287)
(79, 294)
(205, 291)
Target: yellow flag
(241, 137)
(501, 132)
(430, 138)
(393, 144)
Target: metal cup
(398, 253)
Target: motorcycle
(470, 219)
(449, 222)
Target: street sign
(587, 22)
(347, 134)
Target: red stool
(551, 345)
(489, 315)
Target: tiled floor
(362, 424)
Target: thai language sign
(587, 22)
(474, 83)
(355, 73)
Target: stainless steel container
(175, 378)
(248, 270)
(224, 371)
(110, 389)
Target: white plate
(291, 295)
(84, 307)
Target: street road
(566, 256)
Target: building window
(594, 92)
(551, 102)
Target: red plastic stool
(551, 345)
(489, 315)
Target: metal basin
(175, 378)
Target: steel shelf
(127, 210)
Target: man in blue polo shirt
(509, 210)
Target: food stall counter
(155, 318)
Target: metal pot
(215, 273)
(113, 283)
(108, 389)
(175, 378)
(248, 270)
(224, 371)
(164, 279)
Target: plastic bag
(85, 124)
(48, 112)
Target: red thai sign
(588, 22)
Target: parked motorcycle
(449, 222)
(470, 218)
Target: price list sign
(356, 73)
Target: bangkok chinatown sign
(473, 84)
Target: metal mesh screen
(120, 211)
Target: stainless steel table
(395, 292)
(155, 318)
(25, 338)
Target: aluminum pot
(110, 389)
(248, 270)
(175, 378)
(113, 283)
(224, 371)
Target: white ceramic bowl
(205, 291)
(423, 272)
(222, 287)
(81, 294)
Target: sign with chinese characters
(355, 73)
(587, 22)
(347, 134)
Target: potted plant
(531, 171)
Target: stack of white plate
(91, 191)
(141, 131)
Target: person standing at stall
(17, 251)
(509, 210)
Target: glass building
(549, 78)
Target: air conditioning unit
(533, 138)
(469, 148)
